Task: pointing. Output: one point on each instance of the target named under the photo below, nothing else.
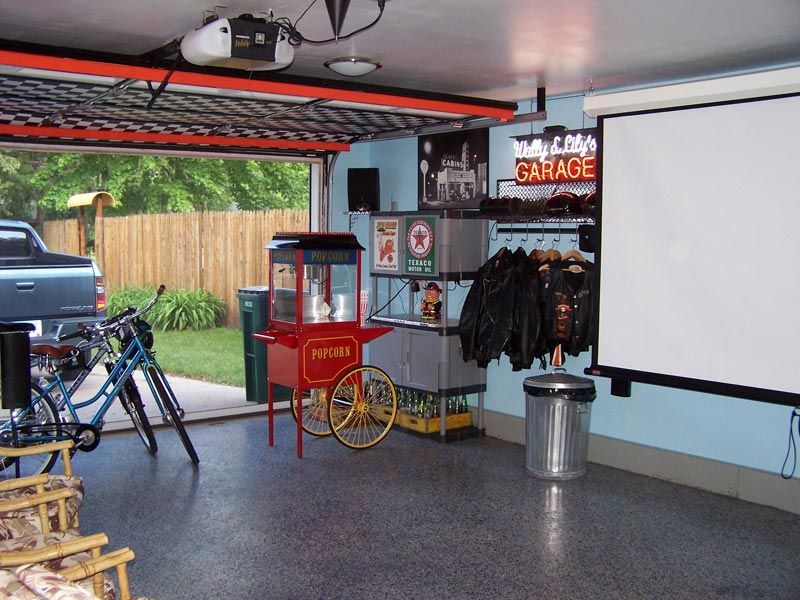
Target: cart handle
(276, 337)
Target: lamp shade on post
(80, 201)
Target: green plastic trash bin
(254, 316)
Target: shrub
(184, 309)
(122, 298)
(176, 309)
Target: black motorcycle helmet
(561, 203)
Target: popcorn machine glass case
(316, 337)
(315, 278)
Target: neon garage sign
(565, 156)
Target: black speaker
(363, 189)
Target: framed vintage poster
(453, 169)
(386, 245)
(420, 240)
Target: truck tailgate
(50, 292)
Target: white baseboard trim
(751, 485)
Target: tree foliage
(36, 186)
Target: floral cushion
(40, 540)
(47, 584)
(32, 582)
(12, 587)
(26, 522)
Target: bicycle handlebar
(161, 289)
(88, 332)
(131, 313)
(81, 333)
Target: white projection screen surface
(698, 240)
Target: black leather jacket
(488, 312)
(569, 309)
(472, 312)
(526, 340)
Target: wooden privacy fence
(61, 236)
(216, 251)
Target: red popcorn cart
(316, 334)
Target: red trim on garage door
(168, 138)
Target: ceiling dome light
(352, 66)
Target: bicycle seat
(54, 351)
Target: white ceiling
(497, 49)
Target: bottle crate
(433, 424)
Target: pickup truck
(54, 292)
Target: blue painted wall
(742, 432)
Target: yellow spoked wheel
(315, 411)
(363, 407)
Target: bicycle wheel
(362, 408)
(315, 411)
(173, 414)
(36, 425)
(131, 401)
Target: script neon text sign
(567, 156)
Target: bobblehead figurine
(431, 306)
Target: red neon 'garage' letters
(573, 169)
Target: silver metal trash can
(558, 411)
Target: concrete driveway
(200, 400)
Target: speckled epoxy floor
(412, 518)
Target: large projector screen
(698, 237)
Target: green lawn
(214, 355)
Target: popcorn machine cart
(316, 335)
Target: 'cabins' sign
(556, 158)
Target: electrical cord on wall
(792, 449)
(389, 301)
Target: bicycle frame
(44, 419)
(134, 356)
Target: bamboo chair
(64, 447)
(87, 566)
(38, 484)
(66, 552)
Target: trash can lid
(254, 290)
(557, 382)
(7, 327)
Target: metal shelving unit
(422, 354)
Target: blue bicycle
(53, 415)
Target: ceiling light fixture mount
(352, 66)
(337, 9)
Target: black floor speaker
(363, 190)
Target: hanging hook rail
(557, 239)
(495, 229)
